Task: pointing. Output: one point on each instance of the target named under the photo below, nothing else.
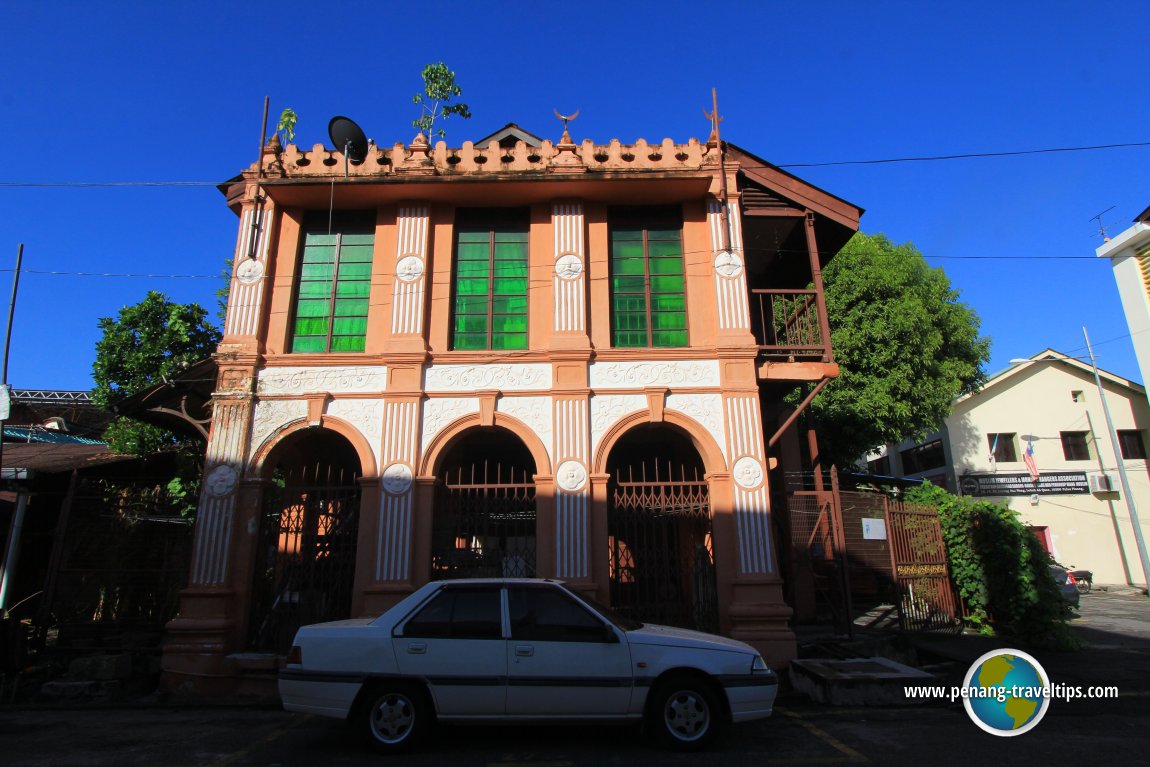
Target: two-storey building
(511, 359)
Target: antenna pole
(724, 213)
(263, 135)
(1101, 228)
(257, 217)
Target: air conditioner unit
(1101, 484)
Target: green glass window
(648, 289)
(334, 283)
(490, 305)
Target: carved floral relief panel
(607, 409)
(535, 412)
(626, 375)
(366, 415)
(270, 415)
(479, 377)
(439, 412)
(707, 410)
(336, 380)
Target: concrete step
(871, 681)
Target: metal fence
(119, 561)
(849, 551)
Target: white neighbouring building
(1129, 255)
(1075, 507)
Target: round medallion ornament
(397, 478)
(748, 472)
(568, 266)
(728, 263)
(250, 270)
(571, 476)
(409, 268)
(221, 481)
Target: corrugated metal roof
(39, 434)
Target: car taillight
(295, 655)
(1070, 578)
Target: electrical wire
(547, 280)
(881, 161)
(971, 155)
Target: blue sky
(173, 92)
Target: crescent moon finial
(566, 139)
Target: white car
(519, 650)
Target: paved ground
(1116, 626)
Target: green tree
(439, 89)
(145, 344)
(905, 345)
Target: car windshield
(622, 622)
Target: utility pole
(17, 526)
(1138, 540)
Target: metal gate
(919, 563)
(484, 523)
(305, 563)
(662, 567)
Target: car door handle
(524, 651)
(417, 648)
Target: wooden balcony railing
(788, 327)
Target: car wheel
(684, 713)
(394, 717)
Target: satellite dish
(348, 138)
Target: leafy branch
(439, 88)
(286, 125)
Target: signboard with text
(1049, 483)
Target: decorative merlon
(588, 157)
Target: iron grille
(484, 528)
(661, 556)
(305, 563)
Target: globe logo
(1006, 692)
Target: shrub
(1000, 570)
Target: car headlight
(759, 666)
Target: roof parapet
(469, 159)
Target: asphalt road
(1117, 628)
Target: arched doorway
(661, 560)
(309, 524)
(484, 519)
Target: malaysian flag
(1028, 459)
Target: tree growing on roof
(905, 344)
(439, 88)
